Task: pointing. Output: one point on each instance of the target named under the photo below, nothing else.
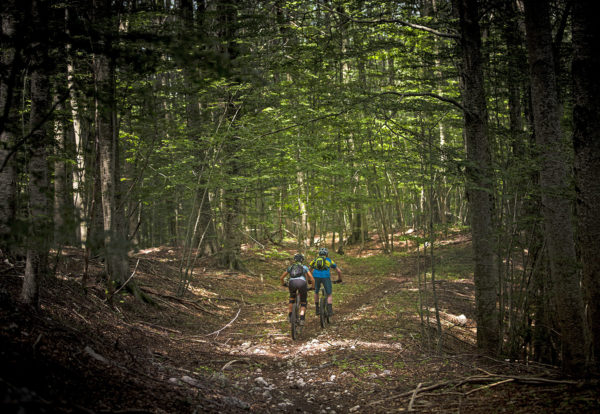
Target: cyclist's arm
(282, 277)
(339, 274)
(311, 279)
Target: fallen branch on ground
(230, 322)
(181, 301)
(412, 399)
(488, 386)
(496, 380)
(233, 361)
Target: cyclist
(300, 277)
(320, 267)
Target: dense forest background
(208, 125)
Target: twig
(405, 394)
(127, 281)
(233, 361)
(489, 386)
(262, 246)
(88, 350)
(85, 320)
(159, 327)
(37, 341)
(230, 322)
(414, 395)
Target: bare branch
(414, 395)
(428, 94)
(130, 277)
(489, 386)
(407, 24)
(395, 21)
(230, 322)
(399, 94)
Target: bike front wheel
(323, 315)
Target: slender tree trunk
(586, 139)
(303, 230)
(105, 133)
(479, 176)
(231, 241)
(79, 168)
(556, 204)
(60, 177)
(39, 228)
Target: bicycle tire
(323, 317)
(293, 321)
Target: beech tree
(479, 175)
(586, 140)
(39, 229)
(10, 77)
(556, 203)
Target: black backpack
(296, 270)
(321, 263)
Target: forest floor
(225, 345)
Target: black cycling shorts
(298, 284)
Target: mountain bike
(295, 319)
(295, 327)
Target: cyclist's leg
(303, 298)
(318, 282)
(292, 299)
(329, 291)
(300, 286)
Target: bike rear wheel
(293, 321)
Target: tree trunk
(39, 229)
(479, 178)
(586, 140)
(60, 177)
(8, 115)
(79, 168)
(115, 242)
(556, 205)
(230, 254)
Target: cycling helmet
(298, 257)
(323, 252)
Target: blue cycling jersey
(323, 273)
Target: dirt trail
(226, 347)
(342, 368)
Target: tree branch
(407, 24)
(427, 94)
(399, 94)
(230, 322)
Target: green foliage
(273, 253)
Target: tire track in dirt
(291, 371)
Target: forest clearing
(225, 345)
